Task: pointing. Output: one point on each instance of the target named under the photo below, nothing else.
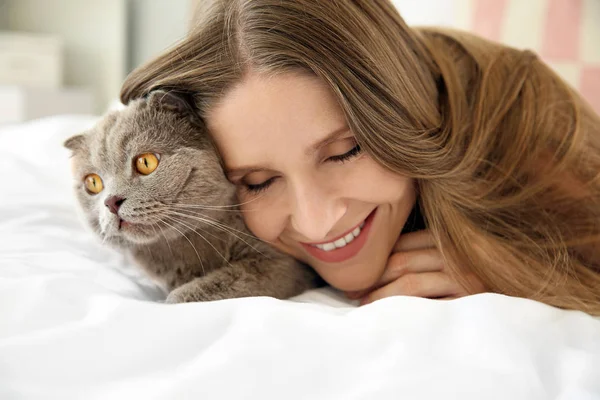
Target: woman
(395, 160)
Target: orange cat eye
(93, 183)
(146, 163)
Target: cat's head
(141, 169)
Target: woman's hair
(505, 154)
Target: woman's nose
(315, 213)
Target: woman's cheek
(259, 220)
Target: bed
(78, 322)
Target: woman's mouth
(343, 241)
(344, 247)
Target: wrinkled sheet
(78, 322)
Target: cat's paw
(188, 294)
(180, 296)
(174, 298)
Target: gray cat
(149, 181)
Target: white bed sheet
(78, 322)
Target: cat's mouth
(124, 224)
(133, 231)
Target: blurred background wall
(154, 25)
(95, 43)
(101, 40)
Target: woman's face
(304, 184)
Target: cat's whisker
(214, 223)
(221, 227)
(153, 228)
(205, 239)
(196, 225)
(220, 207)
(189, 241)
(147, 246)
(206, 218)
(200, 207)
(216, 208)
(164, 236)
(209, 222)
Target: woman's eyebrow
(233, 173)
(236, 172)
(330, 138)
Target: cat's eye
(93, 183)
(146, 163)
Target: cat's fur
(184, 228)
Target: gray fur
(195, 260)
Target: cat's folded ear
(75, 143)
(170, 100)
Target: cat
(149, 181)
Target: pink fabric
(590, 86)
(562, 30)
(488, 17)
(560, 33)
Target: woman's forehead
(284, 111)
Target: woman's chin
(348, 281)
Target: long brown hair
(505, 154)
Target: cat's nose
(114, 203)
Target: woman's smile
(344, 246)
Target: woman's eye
(146, 163)
(93, 183)
(346, 156)
(257, 188)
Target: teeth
(341, 242)
(328, 246)
(349, 237)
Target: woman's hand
(416, 268)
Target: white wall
(95, 37)
(154, 25)
(104, 39)
(427, 12)
(3, 12)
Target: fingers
(426, 284)
(416, 268)
(414, 252)
(414, 241)
(428, 260)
